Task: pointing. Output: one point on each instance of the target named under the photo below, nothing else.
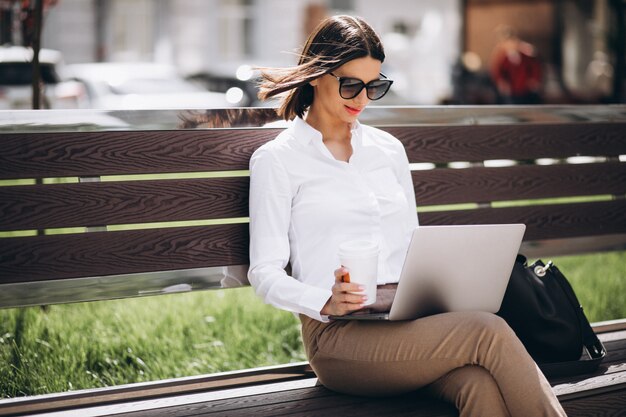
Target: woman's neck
(336, 136)
(331, 130)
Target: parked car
(16, 75)
(242, 93)
(141, 86)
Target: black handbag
(541, 307)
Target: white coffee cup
(360, 257)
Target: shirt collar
(305, 132)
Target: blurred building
(219, 36)
(581, 43)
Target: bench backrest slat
(128, 202)
(521, 182)
(548, 221)
(40, 258)
(515, 141)
(36, 258)
(88, 154)
(41, 155)
(131, 202)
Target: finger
(349, 298)
(353, 299)
(340, 273)
(348, 287)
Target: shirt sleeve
(270, 216)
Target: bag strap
(594, 346)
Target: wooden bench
(112, 229)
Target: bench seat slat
(40, 258)
(612, 403)
(450, 186)
(111, 203)
(308, 403)
(548, 221)
(514, 141)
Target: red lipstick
(352, 110)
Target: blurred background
(114, 54)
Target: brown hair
(224, 118)
(335, 41)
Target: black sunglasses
(351, 87)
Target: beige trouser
(473, 360)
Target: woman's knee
(493, 330)
(490, 322)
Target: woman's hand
(343, 300)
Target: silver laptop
(453, 268)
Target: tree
(21, 24)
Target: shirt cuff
(312, 302)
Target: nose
(361, 99)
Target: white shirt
(304, 203)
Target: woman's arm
(270, 214)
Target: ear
(314, 83)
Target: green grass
(106, 343)
(85, 345)
(599, 281)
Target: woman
(327, 179)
